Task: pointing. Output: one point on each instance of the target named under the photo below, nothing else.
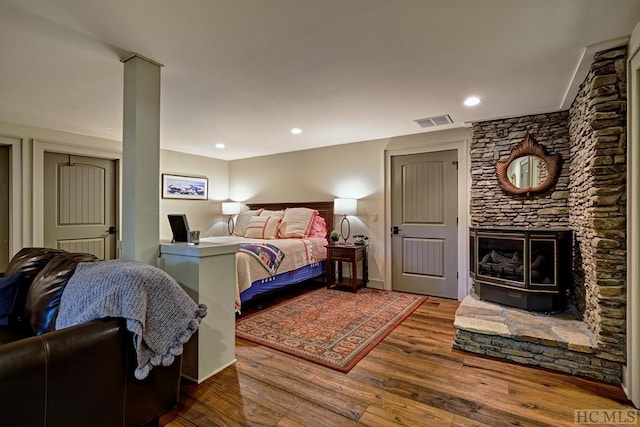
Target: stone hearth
(560, 342)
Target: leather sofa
(77, 376)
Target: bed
(266, 265)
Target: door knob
(395, 229)
(111, 230)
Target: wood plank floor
(412, 378)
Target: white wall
(203, 215)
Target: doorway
(631, 380)
(4, 206)
(424, 217)
(80, 196)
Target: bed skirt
(283, 279)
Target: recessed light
(472, 101)
(296, 131)
(220, 145)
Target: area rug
(330, 327)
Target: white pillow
(262, 227)
(242, 220)
(296, 222)
(277, 214)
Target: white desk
(207, 272)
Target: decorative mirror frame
(529, 147)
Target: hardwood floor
(412, 378)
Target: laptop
(179, 227)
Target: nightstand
(352, 254)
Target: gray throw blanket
(161, 316)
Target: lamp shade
(345, 206)
(231, 208)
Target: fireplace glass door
(522, 267)
(543, 266)
(501, 259)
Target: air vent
(429, 122)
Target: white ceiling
(244, 72)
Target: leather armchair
(79, 376)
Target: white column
(207, 272)
(141, 160)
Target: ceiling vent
(429, 122)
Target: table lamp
(231, 208)
(345, 207)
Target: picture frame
(184, 187)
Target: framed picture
(184, 187)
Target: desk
(352, 254)
(207, 272)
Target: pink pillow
(318, 227)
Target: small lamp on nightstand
(231, 208)
(345, 207)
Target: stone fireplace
(589, 199)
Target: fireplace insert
(528, 268)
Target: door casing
(5, 205)
(38, 208)
(16, 199)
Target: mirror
(529, 169)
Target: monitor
(179, 227)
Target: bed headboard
(325, 209)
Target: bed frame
(325, 210)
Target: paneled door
(424, 206)
(80, 204)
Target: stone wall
(597, 201)
(590, 198)
(493, 141)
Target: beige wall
(429, 139)
(28, 166)
(203, 215)
(348, 170)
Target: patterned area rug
(331, 327)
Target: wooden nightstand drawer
(342, 254)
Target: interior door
(4, 207)
(424, 206)
(80, 204)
